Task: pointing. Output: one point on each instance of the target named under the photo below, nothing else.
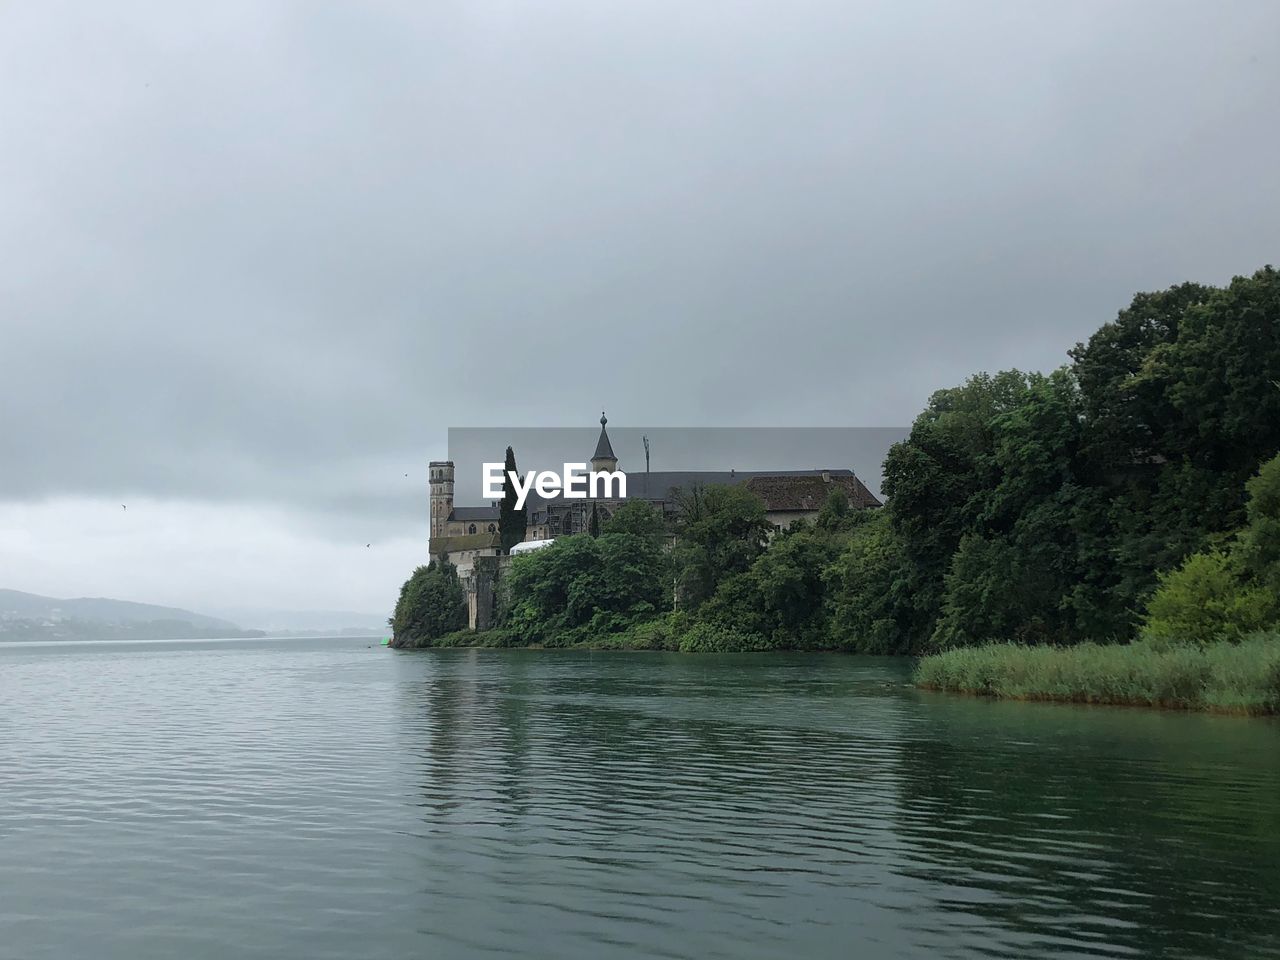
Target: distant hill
(29, 616)
(15, 604)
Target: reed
(1239, 677)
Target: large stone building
(466, 536)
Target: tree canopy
(431, 604)
(582, 582)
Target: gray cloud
(269, 254)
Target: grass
(1239, 677)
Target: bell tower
(603, 459)
(441, 496)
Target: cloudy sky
(258, 257)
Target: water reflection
(703, 807)
(1113, 832)
(327, 800)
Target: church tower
(441, 496)
(603, 459)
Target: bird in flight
(368, 544)
(123, 507)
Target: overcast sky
(258, 257)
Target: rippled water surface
(328, 799)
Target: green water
(335, 799)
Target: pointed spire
(603, 458)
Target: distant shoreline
(80, 641)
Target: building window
(492, 528)
(471, 529)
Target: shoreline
(1163, 706)
(1230, 680)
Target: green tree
(1131, 420)
(1075, 488)
(593, 527)
(1017, 571)
(512, 522)
(1180, 406)
(720, 532)
(836, 514)
(866, 591)
(1205, 599)
(1259, 543)
(782, 596)
(935, 481)
(431, 604)
(639, 518)
(580, 587)
(1225, 593)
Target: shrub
(1204, 600)
(716, 638)
(559, 595)
(431, 604)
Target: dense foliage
(1042, 508)
(721, 531)
(1089, 504)
(1230, 591)
(640, 519)
(582, 586)
(431, 605)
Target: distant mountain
(28, 616)
(14, 604)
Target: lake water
(331, 799)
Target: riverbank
(671, 632)
(1241, 678)
(650, 635)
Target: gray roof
(792, 493)
(660, 485)
(475, 513)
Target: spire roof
(604, 449)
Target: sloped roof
(785, 492)
(475, 513)
(604, 449)
(663, 484)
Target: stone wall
(482, 592)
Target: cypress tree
(594, 528)
(512, 523)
